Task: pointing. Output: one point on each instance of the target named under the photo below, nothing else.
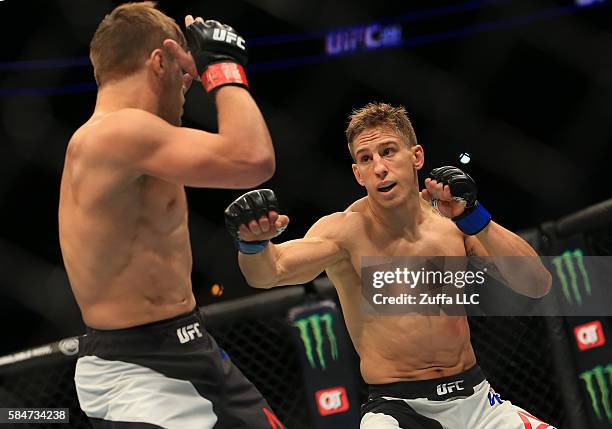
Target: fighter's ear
(157, 61)
(357, 175)
(419, 156)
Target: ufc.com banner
(491, 286)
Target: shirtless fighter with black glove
(147, 360)
(219, 53)
(422, 370)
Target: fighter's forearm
(220, 62)
(260, 270)
(526, 275)
(499, 241)
(293, 262)
(241, 121)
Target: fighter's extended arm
(289, 263)
(454, 193)
(253, 219)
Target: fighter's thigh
(394, 414)
(486, 409)
(378, 421)
(133, 394)
(509, 416)
(242, 405)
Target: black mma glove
(463, 188)
(219, 53)
(250, 206)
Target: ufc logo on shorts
(332, 401)
(228, 37)
(188, 333)
(444, 388)
(589, 335)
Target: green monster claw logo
(598, 381)
(568, 274)
(314, 322)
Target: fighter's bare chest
(163, 205)
(442, 241)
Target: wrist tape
(473, 220)
(251, 247)
(219, 74)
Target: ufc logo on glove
(223, 35)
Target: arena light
(464, 158)
(216, 289)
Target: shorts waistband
(181, 330)
(438, 389)
(156, 326)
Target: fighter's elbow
(257, 279)
(257, 168)
(260, 285)
(542, 284)
(263, 169)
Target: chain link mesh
(45, 386)
(515, 354)
(264, 351)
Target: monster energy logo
(313, 324)
(598, 381)
(569, 267)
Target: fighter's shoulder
(124, 123)
(120, 132)
(358, 206)
(337, 225)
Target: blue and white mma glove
(246, 208)
(463, 189)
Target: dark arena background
(520, 89)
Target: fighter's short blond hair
(380, 115)
(127, 36)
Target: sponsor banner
(591, 352)
(589, 335)
(317, 335)
(328, 365)
(570, 284)
(597, 385)
(332, 400)
(363, 38)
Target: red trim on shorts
(272, 419)
(525, 417)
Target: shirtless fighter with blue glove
(395, 219)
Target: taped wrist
(473, 220)
(226, 73)
(251, 247)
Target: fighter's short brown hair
(374, 115)
(127, 36)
